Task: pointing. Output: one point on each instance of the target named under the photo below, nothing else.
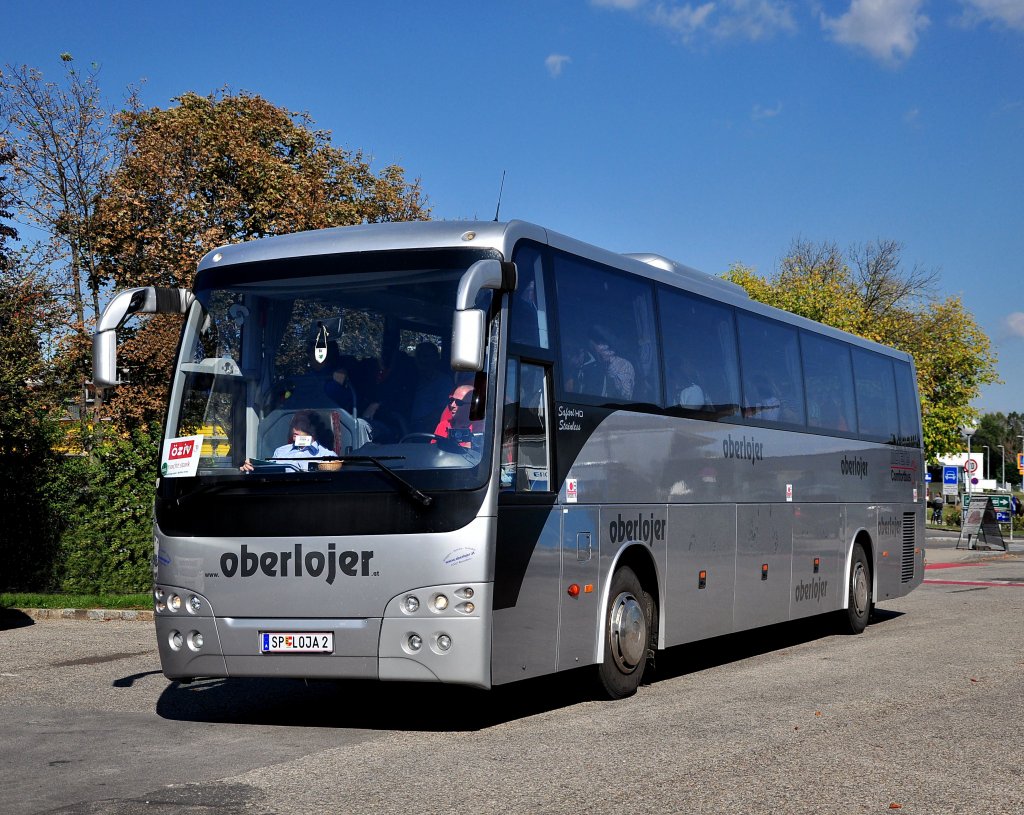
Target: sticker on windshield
(180, 458)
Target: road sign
(927, 478)
(971, 466)
(1001, 502)
(1020, 460)
(949, 475)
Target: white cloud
(555, 63)
(1008, 12)
(887, 29)
(765, 113)
(1015, 323)
(754, 19)
(682, 20)
(721, 19)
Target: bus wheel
(627, 635)
(855, 617)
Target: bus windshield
(325, 369)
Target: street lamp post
(986, 461)
(1003, 451)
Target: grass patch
(29, 600)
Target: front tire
(627, 635)
(858, 609)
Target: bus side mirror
(468, 340)
(144, 300)
(469, 324)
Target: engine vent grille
(909, 539)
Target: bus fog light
(411, 603)
(175, 640)
(444, 642)
(195, 640)
(194, 604)
(174, 603)
(465, 608)
(440, 602)
(415, 642)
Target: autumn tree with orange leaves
(221, 169)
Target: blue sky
(712, 132)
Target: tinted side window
(828, 382)
(606, 320)
(906, 395)
(701, 372)
(528, 318)
(773, 387)
(876, 396)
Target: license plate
(296, 642)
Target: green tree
(65, 149)
(32, 523)
(221, 169)
(879, 300)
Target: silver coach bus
(481, 452)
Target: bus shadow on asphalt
(368, 705)
(407, 706)
(13, 618)
(712, 653)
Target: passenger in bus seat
(584, 371)
(301, 446)
(339, 387)
(763, 402)
(690, 395)
(619, 373)
(432, 385)
(392, 391)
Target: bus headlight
(194, 604)
(175, 640)
(415, 642)
(444, 642)
(440, 602)
(174, 603)
(411, 604)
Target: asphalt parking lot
(921, 714)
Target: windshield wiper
(378, 462)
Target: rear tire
(627, 635)
(858, 610)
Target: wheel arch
(640, 559)
(863, 537)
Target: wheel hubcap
(860, 589)
(628, 632)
